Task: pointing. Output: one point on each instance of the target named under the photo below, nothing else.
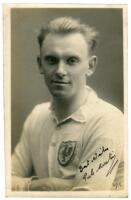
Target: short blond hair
(66, 25)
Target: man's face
(64, 62)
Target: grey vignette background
(27, 85)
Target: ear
(40, 65)
(92, 65)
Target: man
(74, 142)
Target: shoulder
(41, 109)
(99, 109)
(106, 113)
(110, 119)
(38, 114)
(104, 126)
(106, 109)
(105, 121)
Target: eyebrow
(68, 54)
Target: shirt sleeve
(21, 159)
(101, 155)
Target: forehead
(65, 43)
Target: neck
(65, 107)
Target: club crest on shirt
(66, 152)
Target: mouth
(60, 82)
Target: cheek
(79, 71)
(48, 70)
(47, 76)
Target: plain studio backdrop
(28, 86)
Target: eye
(51, 60)
(72, 60)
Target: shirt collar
(80, 115)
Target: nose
(61, 70)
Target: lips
(60, 82)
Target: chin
(59, 95)
(62, 94)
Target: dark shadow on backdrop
(27, 85)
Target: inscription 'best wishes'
(109, 158)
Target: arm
(106, 129)
(99, 161)
(22, 179)
(51, 184)
(101, 155)
(21, 160)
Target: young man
(74, 142)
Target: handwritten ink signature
(101, 165)
(95, 156)
(113, 164)
(92, 173)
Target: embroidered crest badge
(66, 152)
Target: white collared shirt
(83, 147)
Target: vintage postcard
(65, 92)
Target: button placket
(52, 153)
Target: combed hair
(66, 25)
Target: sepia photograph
(65, 91)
